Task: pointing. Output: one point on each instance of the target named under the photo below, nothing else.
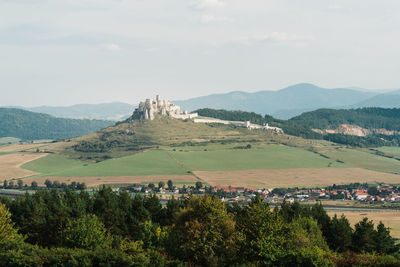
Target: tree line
(52, 228)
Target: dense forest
(369, 118)
(28, 125)
(70, 228)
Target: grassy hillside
(33, 126)
(135, 136)
(168, 161)
(267, 157)
(145, 163)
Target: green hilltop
(132, 136)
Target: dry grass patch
(295, 177)
(18, 147)
(391, 219)
(10, 164)
(93, 181)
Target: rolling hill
(28, 125)
(389, 100)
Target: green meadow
(364, 159)
(266, 157)
(170, 162)
(53, 164)
(154, 162)
(390, 149)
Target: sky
(67, 52)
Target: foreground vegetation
(53, 228)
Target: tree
(34, 185)
(86, 232)
(153, 206)
(199, 185)
(339, 238)
(5, 184)
(363, 236)
(11, 184)
(48, 183)
(7, 231)
(20, 184)
(264, 233)
(151, 185)
(170, 184)
(204, 233)
(373, 191)
(56, 184)
(73, 185)
(106, 208)
(385, 243)
(161, 184)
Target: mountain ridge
(304, 97)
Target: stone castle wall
(151, 107)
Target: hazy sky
(62, 52)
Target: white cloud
(202, 4)
(113, 47)
(211, 18)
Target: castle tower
(151, 113)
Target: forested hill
(370, 118)
(33, 126)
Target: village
(360, 193)
(356, 192)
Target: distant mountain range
(116, 111)
(28, 125)
(283, 104)
(293, 100)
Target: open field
(390, 150)
(153, 162)
(157, 162)
(294, 177)
(7, 140)
(10, 164)
(391, 219)
(112, 180)
(363, 159)
(261, 166)
(270, 157)
(20, 147)
(52, 164)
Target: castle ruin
(147, 111)
(150, 108)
